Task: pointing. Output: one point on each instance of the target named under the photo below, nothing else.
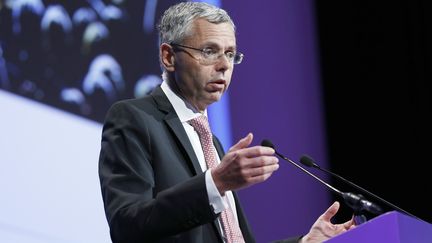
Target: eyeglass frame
(204, 51)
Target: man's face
(201, 83)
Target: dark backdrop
(376, 72)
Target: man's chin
(213, 97)
(216, 96)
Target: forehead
(203, 31)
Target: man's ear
(167, 57)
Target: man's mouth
(217, 85)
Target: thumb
(331, 211)
(242, 143)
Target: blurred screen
(79, 56)
(62, 64)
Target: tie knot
(201, 125)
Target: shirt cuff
(218, 202)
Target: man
(164, 177)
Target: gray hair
(177, 20)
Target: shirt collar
(184, 110)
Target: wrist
(218, 182)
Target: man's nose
(223, 63)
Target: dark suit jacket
(152, 184)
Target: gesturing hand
(323, 229)
(244, 166)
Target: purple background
(275, 93)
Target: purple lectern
(391, 227)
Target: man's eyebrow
(215, 45)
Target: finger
(260, 171)
(349, 224)
(331, 211)
(258, 162)
(256, 151)
(258, 179)
(242, 143)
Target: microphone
(308, 161)
(357, 202)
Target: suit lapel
(177, 128)
(218, 147)
(174, 123)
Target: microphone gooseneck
(308, 161)
(268, 143)
(357, 202)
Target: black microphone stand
(308, 161)
(356, 202)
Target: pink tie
(230, 225)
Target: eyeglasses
(211, 55)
